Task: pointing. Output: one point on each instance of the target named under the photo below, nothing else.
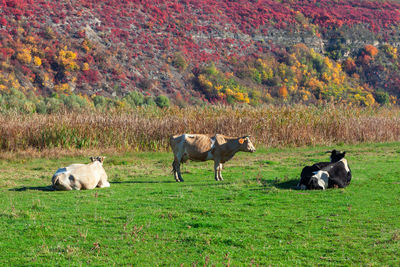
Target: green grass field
(253, 217)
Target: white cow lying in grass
(81, 176)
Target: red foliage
(138, 31)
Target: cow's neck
(231, 147)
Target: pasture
(254, 217)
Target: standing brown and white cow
(202, 147)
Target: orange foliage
(349, 65)
(371, 50)
(283, 92)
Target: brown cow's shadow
(37, 188)
(142, 182)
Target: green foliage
(74, 102)
(337, 47)
(100, 102)
(17, 101)
(162, 101)
(134, 99)
(53, 104)
(30, 103)
(149, 101)
(382, 97)
(179, 62)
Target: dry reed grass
(149, 129)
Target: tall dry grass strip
(149, 129)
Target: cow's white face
(246, 145)
(319, 180)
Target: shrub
(179, 62)
(41, 107)
(149, 101)
(74, 102)
(100, 102)
(382, 97)
(371, 50)
(53, 104)
(162, 101)
(134, 99)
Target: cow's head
(99, 159)
(336, 155)
(246, 145)
(62, 181)
(319, 180)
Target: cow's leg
(220, 172)
(103, 183)
(216, 170)
(176, 168)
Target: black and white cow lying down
(325, 175)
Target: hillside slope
(193, 51)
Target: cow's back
(340, 174)
(192, 146)
(308, 171)
(88, 175)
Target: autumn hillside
(196, 51)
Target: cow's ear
(102, 159)
(344, 153)
(241, 140)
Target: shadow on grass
(278, 183)
(210, 184)
(142, 182)
(291, 184)
(37, 188)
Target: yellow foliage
(392, 99)
(315, 84)
(262, 63)
(85, 66)
(205, 82)
(67, 59)
(390, 50)
(3, 87)
(85, 46)
(326, 77)
(229, 92)
(242, 97)
(369, 100)
(20, 30)
(218, 87)
(30, 39)
(61, 88)
(328, 63)
(293, 88)
(37, 61)
(24, 56)
(267, 74)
